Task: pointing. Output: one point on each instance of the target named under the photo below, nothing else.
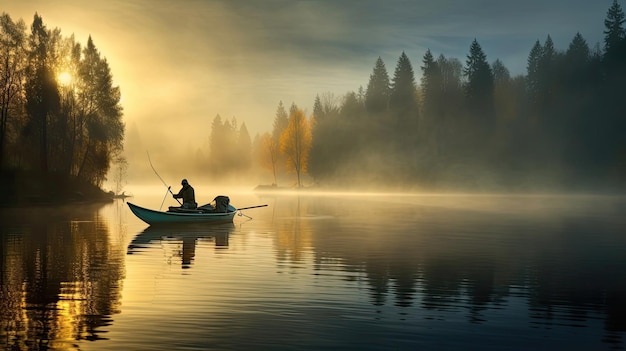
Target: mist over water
(366, 271)
(448, 204)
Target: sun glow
(64, 78)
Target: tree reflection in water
(567, 267)
(60, 279)
(425, 272)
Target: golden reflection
(179, 242)
(293, 235)
(60, 279)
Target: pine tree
(431, 75)
(576, 62)
(403, 95)
(403, 104)
(378, 89)
(614, 32)
(431, 90)
(479, 88)
(244, 146)
(325, 129)
(533, 76)
(610, 147)
(281, 120)
(501, 74)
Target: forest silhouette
(60, 114)
(464, 126)
(474, 126)
(471, 125)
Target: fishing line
(162, 181)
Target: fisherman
(187, 194)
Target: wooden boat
(199, 215)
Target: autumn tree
(295, 143)
(269, 151)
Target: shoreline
(30, 188)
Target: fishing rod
(162, 181)
(246, 208)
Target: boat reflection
(181, 240)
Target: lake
(320, 271)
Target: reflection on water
(61, 278)
(180, 241)
(323, 271)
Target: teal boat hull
(153, 217)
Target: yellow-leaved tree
(268, 154)
(295, 143)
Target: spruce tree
(479, 88)
(614, 32)
(403, 104)
(378, 88)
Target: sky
(179, 63)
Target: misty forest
(466, 125)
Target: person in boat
(187, 194)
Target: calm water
(311, 272)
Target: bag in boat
(221, 204)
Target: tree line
(232, 153)
(463, 124)
(472, 124)
(59, 110)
